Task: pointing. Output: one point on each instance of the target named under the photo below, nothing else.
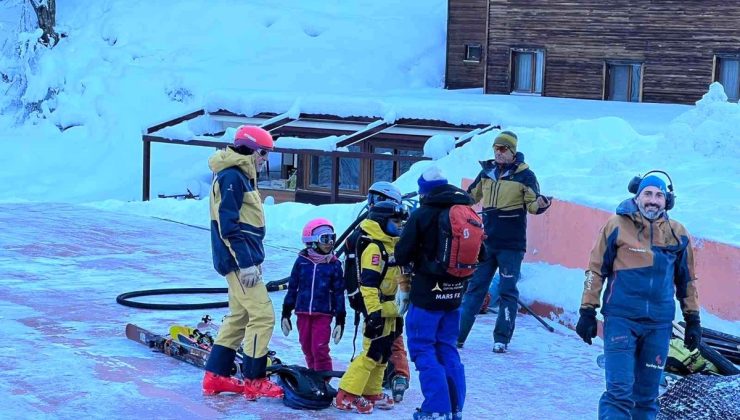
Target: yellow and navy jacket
(646, 263)
(507, 194)
(379, 293)
(237, 218)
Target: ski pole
(542, 321)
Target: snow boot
(382, 401)
(399, 385)
(420, 415)
(349, 402)
(499, 348)
(261, 387)
(215, 384)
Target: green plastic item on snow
(684, 361)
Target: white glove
(286, 326)
(337, 333)
(402, 302)
(250, 276)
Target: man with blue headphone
(643, 258)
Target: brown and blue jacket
(644, 264)
(507, 194)
(237, 218)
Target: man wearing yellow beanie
(508, 190)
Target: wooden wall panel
(466, 23)
(675, 39)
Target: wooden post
(147, 162)
(334, 178)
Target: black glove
(339, 318)
(692, 332)
(285, 323)
(374, 324)
(586, 327)
(338, 330)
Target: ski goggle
(401, 211)
(501, 149)
(327, 238)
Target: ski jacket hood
(227, 158)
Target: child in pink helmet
(316, 293)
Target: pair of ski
(727, 345)
(186, 344)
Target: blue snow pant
(509, 263)
(431, 339)
(635, 354)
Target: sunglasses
(501, 149)
(327, 238)
(263, 152)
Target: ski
(175, 349)
(724, 366)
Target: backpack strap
(361, 243)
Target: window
(404, 165)
(349, 171)
(320, 173)
(623, 81)
(527, 70)
(473, 53)
(727, 72)
(382, 169)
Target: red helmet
(253, 137)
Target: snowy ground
(65, 354)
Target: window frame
(717, 67)
(513, 52)
(605, 91)
(468, 47)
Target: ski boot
(349, 402)
(215, 384)
(499, 348)
(399, 385)
(420, 415)
(261, 387)
(382, 401)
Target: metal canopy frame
(353, 130)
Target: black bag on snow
(305, 389)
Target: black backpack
(356, 244)
(305, 389)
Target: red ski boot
(261, 387)
(382, 401)
(215, 384)
(350, 402)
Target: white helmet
(383, 191)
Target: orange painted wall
(565, 234)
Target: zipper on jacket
(313, 282)
(652, 274)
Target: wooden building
(369, 149)
(628, 50)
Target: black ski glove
(285, 323)
(339, 318)
(692, 332)
(586, 327)
(374, 324)
(338, 330)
